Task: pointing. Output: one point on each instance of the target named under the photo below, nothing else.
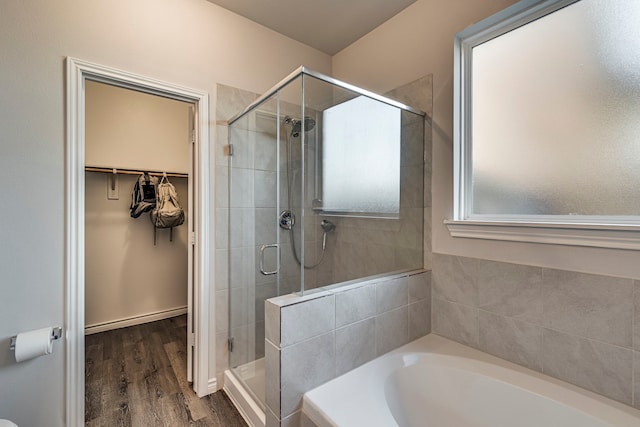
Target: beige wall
(127, 129)
(418, 41)
(126, 275)
(187, 42)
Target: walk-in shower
(325, 186)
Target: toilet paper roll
(33, 344)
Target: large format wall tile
(222, 139)
(262, 293)
(222, 311)
(454, 279)
(392, 330)
(243, 143)
(265, 231)
(636, 379)
(304, 366)
(391, 294)
(419, 287)
(591, 306)
(455, 321)
(355, 305)
(241, 227)
(222, 353)
(265, 157)
(636, 318)
(510, 289)
(596, 366)
(272, 322)
(355, 345)
(222, 187)
(222, 228)
(240, 354)
(304, 321)
(222, 269)
(511, 339)
(242, 190)
(272, 376)
(419, 319)
(265, 184)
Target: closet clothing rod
(134, 172)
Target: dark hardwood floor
(137, 376)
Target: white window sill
(593, 235)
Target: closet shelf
(134, 172)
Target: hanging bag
(167, 212)
(143, 198)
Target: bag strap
(164, 178)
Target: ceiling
(327, 25)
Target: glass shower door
(266, 224)
(253, 240)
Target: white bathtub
(435, 382)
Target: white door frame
(78, 71)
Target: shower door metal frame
(302, 70)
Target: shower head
(327, 226)
(298, 125)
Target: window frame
(621, 232)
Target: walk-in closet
(136, 274)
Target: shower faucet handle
(286, 220)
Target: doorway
(79, 74)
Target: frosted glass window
(361, 157)
(555, 115)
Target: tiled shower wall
(229, 101)
(314, 338)
(580, 328)
(362, 247)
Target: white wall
(187, 42)
(418, 41)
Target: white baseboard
(212, 385)
(134, 320)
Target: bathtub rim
(604, 408)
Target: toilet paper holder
(56, 333)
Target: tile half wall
(315, 338)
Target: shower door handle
(262, 248)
